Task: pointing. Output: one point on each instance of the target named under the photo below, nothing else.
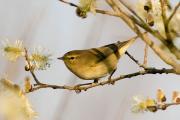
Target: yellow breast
(97, 70)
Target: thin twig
(161, 106)
(69, 3)
(166, 25)
(30, 68)
(145, 55)
(164, 18)
(136, 61)
(80, 87)
(131, 10)
(163, 10)
(170, 104)
(173, 13)
(97, 10)
(148, 29)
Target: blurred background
(55, 26)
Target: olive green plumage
(94, 63)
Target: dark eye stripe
(114, 48)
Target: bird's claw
(111, 81)
(77, 89)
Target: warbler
(95, 63)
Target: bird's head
(71, 58)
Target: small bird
(95, 63)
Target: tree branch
(142, 23)
(81, 87)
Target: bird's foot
(77, 88)
(96, 81)
(110, 81)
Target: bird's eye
(72, 58)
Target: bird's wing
(102, 53)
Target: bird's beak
(61, 58)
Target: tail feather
(123, 46)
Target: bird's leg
(96, 80)
(109, 78)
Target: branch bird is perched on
(95, 63)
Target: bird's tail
(123, 46)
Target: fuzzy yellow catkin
(160, 96)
